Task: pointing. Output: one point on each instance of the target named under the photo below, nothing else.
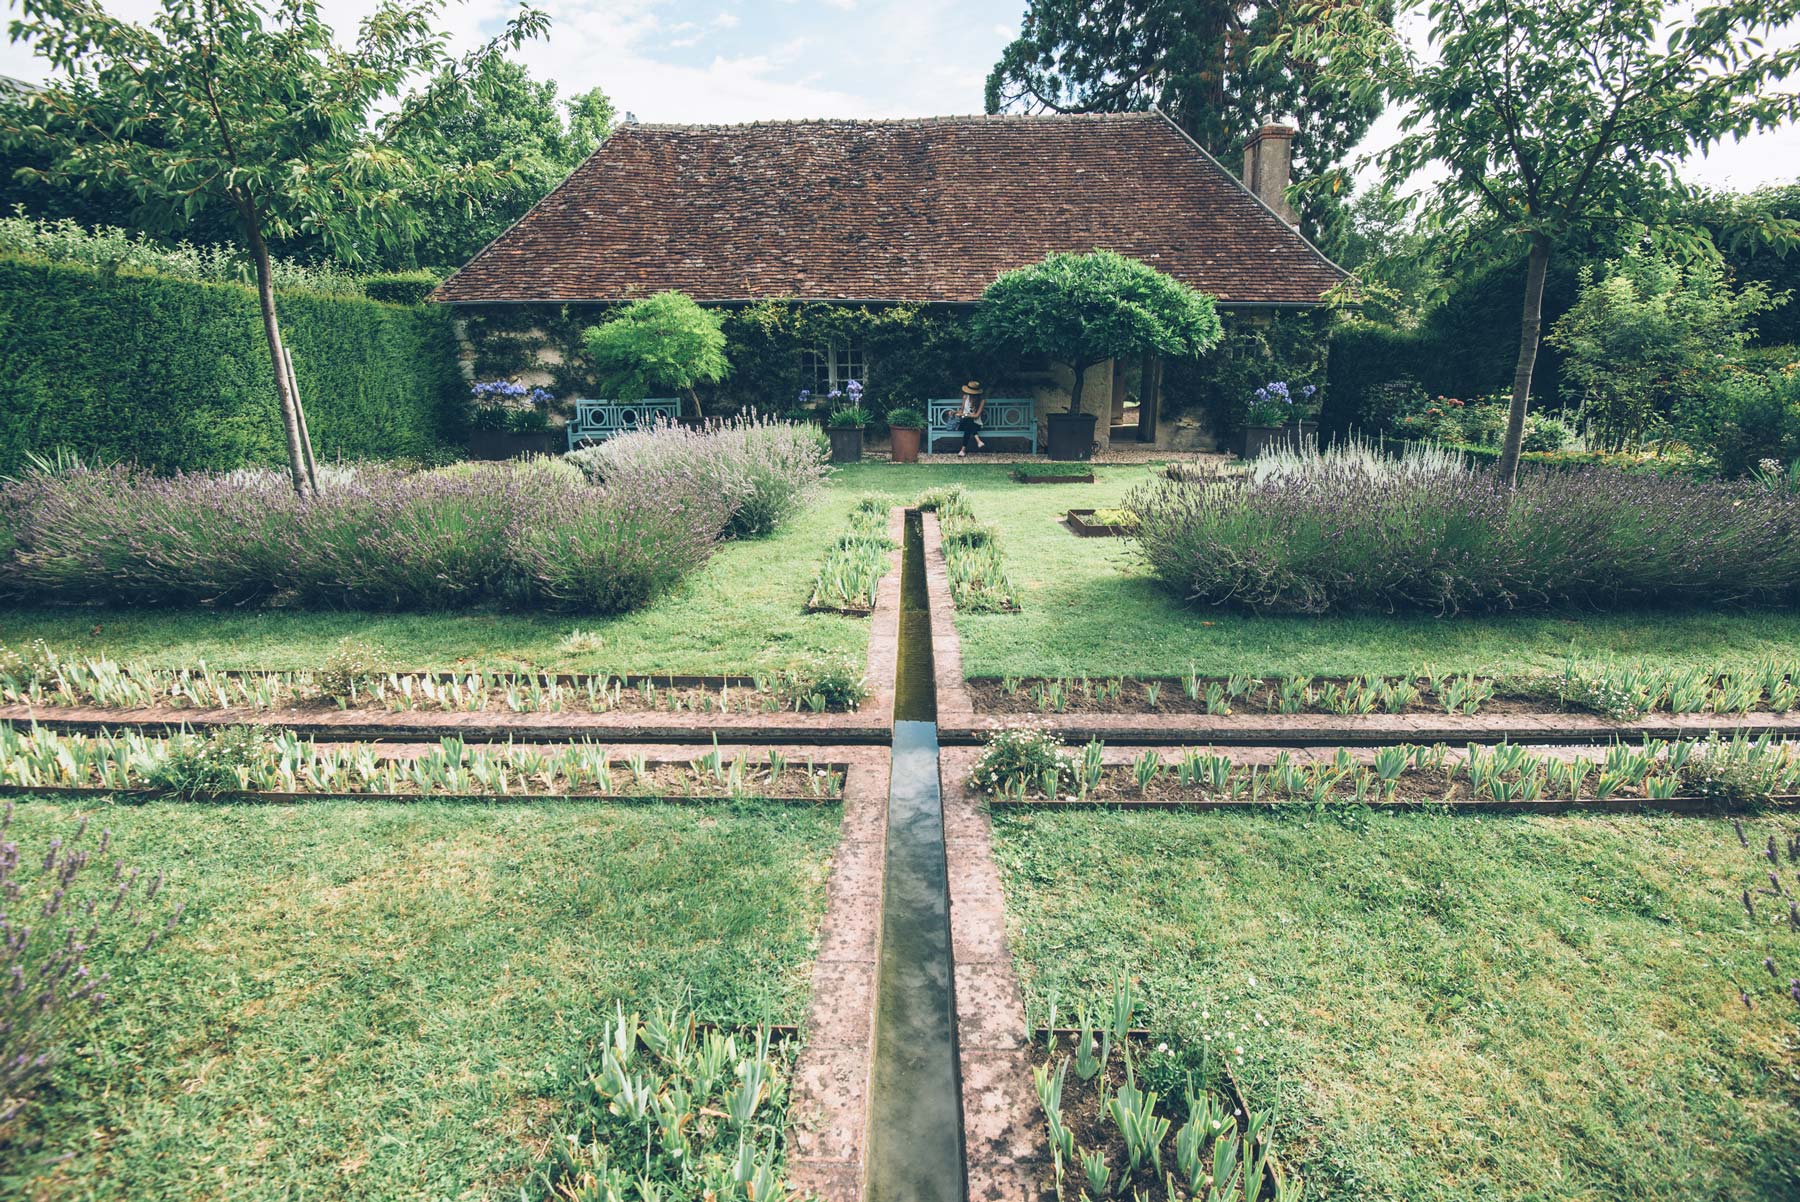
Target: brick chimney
(1267, 168)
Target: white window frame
(832, 366)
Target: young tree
(256, 110)
(1555, 118)
(1084, 309)
(1645, 344)
(1190, 58)
(663, 341)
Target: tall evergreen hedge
(175, 374)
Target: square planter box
(1082, 522)
(505, 444)
(846, 443)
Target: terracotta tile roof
(926, 210)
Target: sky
(746, 60)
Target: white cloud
(726, 20)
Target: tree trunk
(298, 451)
(1075, 392)
(695, 394)
(312, 471)
(1149, 395)
(1531, 325)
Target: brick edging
(828, 1107)
(1007, 1151)
(955, 703)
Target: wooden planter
(1082, 522)
(904, 442)
(846, 443)
(506, 444)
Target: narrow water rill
(916, 1137)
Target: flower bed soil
(1416, 789)
(992, 696)
(663, 781)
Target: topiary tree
(1084, 309)
(665, 341)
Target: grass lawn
(383, 1001)
(1458, 1008)
(743, 612)
(1088, 609)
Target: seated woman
(969, 420)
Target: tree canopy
(1554, 118)
(1081, 309)
(1190, 58)
(532, 141)
(665, 341)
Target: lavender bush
(1332, 532)
(767, 471)
(373, 538)
(617, 556)
(56, 911)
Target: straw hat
(972, 388)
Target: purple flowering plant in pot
(1277, 414)
(509, 419)
(847, 422)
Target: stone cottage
(878, 218)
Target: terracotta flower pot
(903, 443)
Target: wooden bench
(1004, 417)
(597, 421)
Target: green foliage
(109, 248)
(1252, 351)
(664, 342)
(255, 110)
(668, 1111)
(906, 418)
(1558, 121)
(848, 417)
(1646, 340)
(400, 287)
(1752, 419)
(1746, 228)
(516, 125)
(1081, 309)
(918, 353)
(174, 374)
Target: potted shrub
(1275, 416)
(1085, 309)
(845, 427)
(509, 420)
(906, 429)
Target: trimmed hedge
(174, 374)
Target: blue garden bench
(1004, 417)
(597, 421)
